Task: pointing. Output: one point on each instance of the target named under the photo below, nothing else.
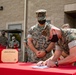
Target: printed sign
(9, 55)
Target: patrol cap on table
(41, 14)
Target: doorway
(15, 30)
(70, 17)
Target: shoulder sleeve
(30, 32)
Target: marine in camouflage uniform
(40, 42)
(14, 43)
(40, 35)
(68, 35)
(3, 40)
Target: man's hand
(40, 54)
(50, 63)
(40, 63)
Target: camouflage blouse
(40, 37)
(68, 35)
(3, 41)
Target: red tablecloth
(26, 69)
(1, 48)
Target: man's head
(41, 16)
(13, 38)
(3, 32)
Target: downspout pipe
(25, 24)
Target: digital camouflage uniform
(68, 35)
(40, 37)
(3, 41)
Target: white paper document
(39, 67)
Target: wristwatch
(56, 63)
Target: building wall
(55, 11)
(13, 11)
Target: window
(15, 33)
(15, 26)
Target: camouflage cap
(41, 14)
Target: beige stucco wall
(55, 10)
(13, 11)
